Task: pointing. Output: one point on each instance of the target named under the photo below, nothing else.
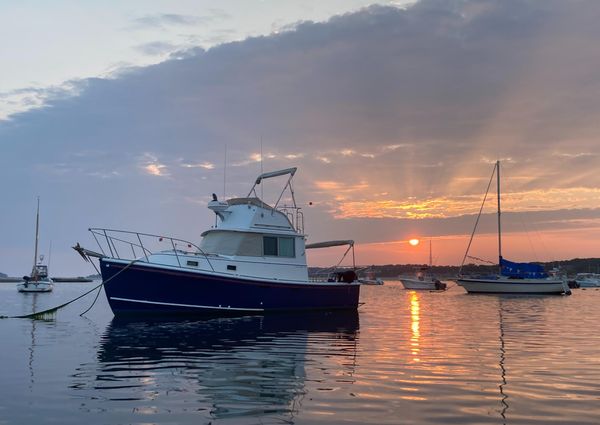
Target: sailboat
(424, 278)
(38, 281)
(513, 278)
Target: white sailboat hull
(43, 286)
(513, 286)
(418, 284)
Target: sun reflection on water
(414, 325)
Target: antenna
(37, 231)
(224, 171)
(430, 259)
(262, 186)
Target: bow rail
(117, 244)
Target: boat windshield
(40, 271)
(232, 243)
(247, 244)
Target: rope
(450, 287)
(41, 315)
(93, 302)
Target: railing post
(115, 248)
(108, 243)
(142, 246)
(175, 251)
(97, 241)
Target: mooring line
(41, 315)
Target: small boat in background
(587, 280)
(424, 278)
(370, 278)
(38, 281)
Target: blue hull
(143, 289)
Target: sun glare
(414, 242)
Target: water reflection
(414, 325)
(515, 315)
(226, 367)
(503, 395)
(33, 325)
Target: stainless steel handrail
(109, 236)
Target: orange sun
(414, 242)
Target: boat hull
(588, 283)
(150, 289)
(420, 284)
(35, 287)
(371, 281)
(514, 286)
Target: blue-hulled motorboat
(252, 261)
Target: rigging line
(43, 314)
(480, 259)
(546, 251)
(519, 216)
(477, 221)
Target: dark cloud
(421, 100)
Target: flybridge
(292, 216)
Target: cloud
(156, 48)
(152, 166)
(23, 99)
(162, 20)
(420, 95)
(206, 165)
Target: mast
(499, 222)
(37, 228)
(430, 260)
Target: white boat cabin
(249, 239)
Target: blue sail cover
(522, 270)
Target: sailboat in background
(513, 278)
(38, 281)
(424, 278)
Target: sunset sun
(414, 242)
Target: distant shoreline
(11, 279)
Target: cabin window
(270, 245)
(286, 247)
(232, 243)
(278, 247)
(192, 263)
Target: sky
(129, 115)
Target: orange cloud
(443, 207)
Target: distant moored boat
(424, 278)
(38, 280)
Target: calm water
(405, 357)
